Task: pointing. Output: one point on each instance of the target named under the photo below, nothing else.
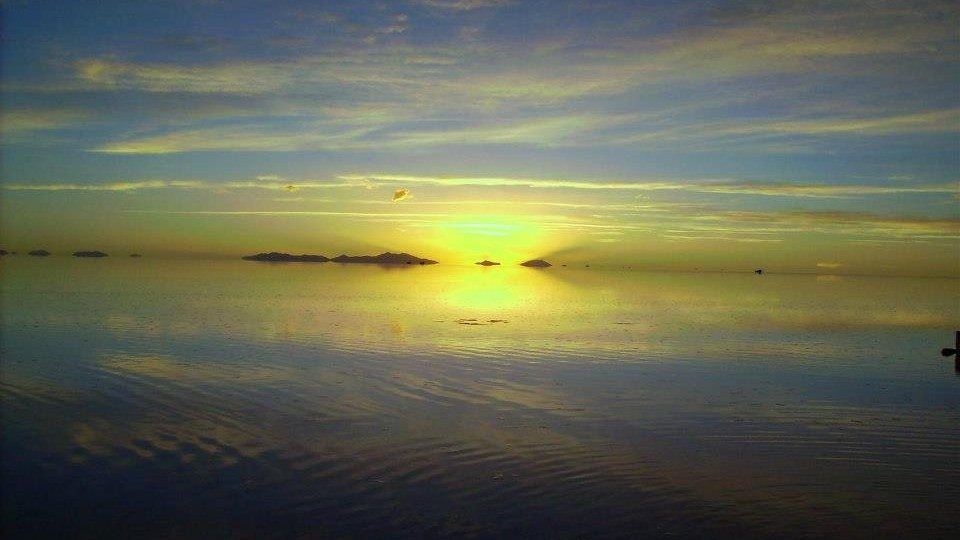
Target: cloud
(18, 122)
(722, 238)
(853, 224)
(519, 182)
(820, 190)
(464, 5)
(238, 78)
(256, 138)
(260, 183)
(115, 186)
(705, 186)
(939, 121)
(829, 265)
(345, 134)
(779, 189)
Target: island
(383, 258)
(89, 254)
(274, 256)
(536, 263)
(39, 253)
(135, 255)
(487, 263)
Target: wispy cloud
(852, 224)
(464, 5)
(367, 181)
(17, 122)
(519, 182)
(940, 121)
(821, 190)
(114, 186)
(345, 134)
(260, 183)
(771, 189)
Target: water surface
(181, 399)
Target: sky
(715, 135)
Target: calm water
(181, 399)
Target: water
(233, 399)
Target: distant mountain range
(383, 258)
(274, 256)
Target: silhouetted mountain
(383, 258)
(274, 256)
(39, 253)
(89, 254)
(536, 263)
(487, 263)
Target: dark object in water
(383, 258)
(487, 263)
(89, 254)
(135, 255)
(39, 253)
(954, 352)
(274, 256)
(758, 271)
(536, 263)
(3, 252)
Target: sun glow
(503, 239)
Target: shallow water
(180, 399)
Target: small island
(536, 263)
(383, 258)
(135, 255)
(39, 253)
(487, 263)
(89, 254)
(274, 256)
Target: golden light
(505, 239)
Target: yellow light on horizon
(507, 240)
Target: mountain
(536, 263)
(487, 263)
(89, 254)
(274, 256)
(383, 258)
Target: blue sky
(669, 134)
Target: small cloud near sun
(401, 194)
